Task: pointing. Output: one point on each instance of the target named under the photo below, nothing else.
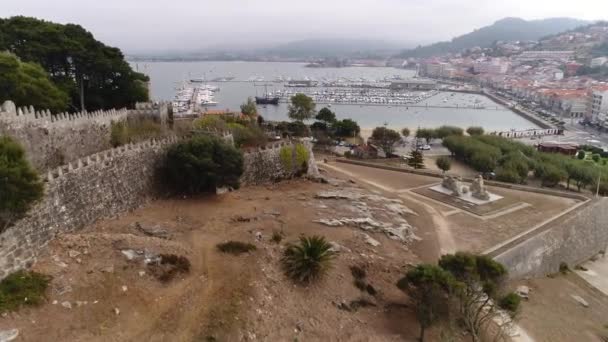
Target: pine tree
(416, 159)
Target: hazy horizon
(186, 25)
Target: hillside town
(566, 74)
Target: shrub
(169, 266)
(581, 155)
(247, 135)
(596, 157)
(301, 158)
(133, 130)
(444, 163)
(22, 288)
(358, 272)
(474, 130)
(210, 122)
(203, 164)
(510, 302)
(307, 261)
(20, 186)
(446, 131)
(563, 268)
(277, 236)
(508, 175)
(236, 247)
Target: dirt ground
(224, 297)
(551, 314)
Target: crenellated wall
(53, 140)
(99, 186)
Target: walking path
(444, 235)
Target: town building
(597, 105)
(598, 62)
(492, 66)
(414, 84)
(545, 55)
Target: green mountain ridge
(507, 29)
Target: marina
(362, 94)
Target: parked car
(424, 147)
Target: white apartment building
(599, 61)
(493, 66)
(546, 55)
(597, 105)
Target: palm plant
(308, 260)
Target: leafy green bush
(307, 261)
(510, 302)
(133, 130)
(210, 122)
(444, 163)
(22, 288)
(247, 136)
(300, 164)
(20, 186)
(475, 130)
(236, 247)
(202, 164)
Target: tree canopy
(74, 58)
(27, 84)
(386, 138)
(249, 108)
(19, 182)
(346, 128)
(327, 116)
(301, 107)
(203, 164)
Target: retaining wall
(77, 194)
(574, 239)
(53, 140)
(264, 165)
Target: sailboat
(267, 98)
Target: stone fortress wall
(572, 239)
(101, 184)
(53, 140)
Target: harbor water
(166, 76)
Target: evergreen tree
(416, 159)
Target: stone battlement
(271, 146)
(9, 113)
(102, 158)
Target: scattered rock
(130, 254)
(371, 241)
(523, 291)
(124, 288)
(58, 261)
(66, 305)
(108, 269)
(258, 236)
(142, 273)
(117, 311)
(272, 212)
(72, 253)
(55, 302)
(337, 248)
(580, 300)
(8, 335)
(239, 218)
(154, 231)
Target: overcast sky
(156, 25)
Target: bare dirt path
(444, 235)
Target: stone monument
(478, 189)
(453, 184)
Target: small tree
(326, 116)
(249, 108)
(405, 132)
(427, 134)
(428, 287)
(581, 154)
(446, 131)
(301, 108)
(478, 284)
(475, 130)
(20, 186)
(416, 159)
(203, 164)
(444, 163)
(386, 138)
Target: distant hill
(321, 48)
(507, 29)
